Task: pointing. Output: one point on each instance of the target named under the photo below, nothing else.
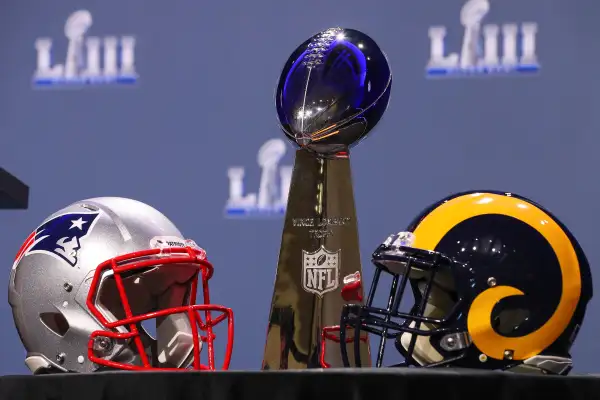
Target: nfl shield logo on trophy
(320, 271)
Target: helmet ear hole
(510, 320)
(56, 322)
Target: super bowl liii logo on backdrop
(486, 49)
(272, 196)
(87, 60)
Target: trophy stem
(319, 247)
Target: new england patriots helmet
(91, 274)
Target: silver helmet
(87, 278)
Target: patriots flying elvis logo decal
(59, 237)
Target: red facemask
(158, 284)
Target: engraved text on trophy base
(321, 225)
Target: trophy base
(356, 384)
(319, 247)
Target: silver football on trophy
(333, 90)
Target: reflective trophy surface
(332, 91)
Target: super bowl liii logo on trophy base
(82, 63)
(481, 46)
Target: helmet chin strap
(437, 306)
(175, 342)
(173, 348)
(424, 353)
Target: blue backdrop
(189, 103)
